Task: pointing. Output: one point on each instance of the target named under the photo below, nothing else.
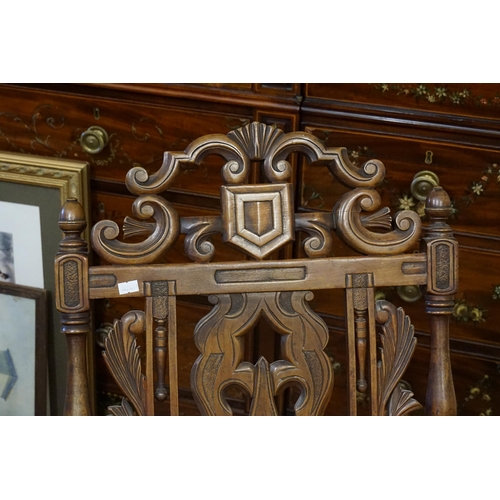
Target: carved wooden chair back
(259, 220)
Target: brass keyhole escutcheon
(428, 157)
(94, 140)
(422, 183)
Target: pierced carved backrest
(260, 220)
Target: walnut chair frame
(259, 219)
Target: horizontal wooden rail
(263, 276)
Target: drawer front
(136, 133)
(463, 99)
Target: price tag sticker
(128, 287)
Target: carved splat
(122, 358)
(397, 345)
(220, 338)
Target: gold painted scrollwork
(220, 338)
(166, 231)
(350, 227)
(397, 345)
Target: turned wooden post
(71, 276)
(442, 266)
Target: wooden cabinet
(450, 130)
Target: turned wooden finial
(438, 205)
(72, 223)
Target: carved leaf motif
(122, 410)
(166, 231)
(401, 402)
(397, 346)
(122, 358)
(350, 225)
(381, 219)
(132, 227)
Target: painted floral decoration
(439, 94)
(406, 202)
(464, 312)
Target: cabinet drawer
(461, 99)
(137, 133)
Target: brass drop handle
(409, 293)
(422, 183)
(94, 140)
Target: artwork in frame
(32, 192)
(23, 350)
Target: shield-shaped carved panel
(257, 219)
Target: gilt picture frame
(46, 183)
(23, 350)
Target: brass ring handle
(409, 293)
(94, 140)
(422, 184)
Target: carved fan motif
(220, 338)
(122, 358)
(397, 346)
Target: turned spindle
(71, 274)
(442, 264)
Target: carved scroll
(397, 346)
(256, 141)
(122, 358)
(349, 225)
(235, 171)
(198, 230)
(319, 226)
(220, 338)
(166, 231)
(277, 169)
(257, 219)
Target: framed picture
(32, 192)
(23, 350)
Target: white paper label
(128, 287)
